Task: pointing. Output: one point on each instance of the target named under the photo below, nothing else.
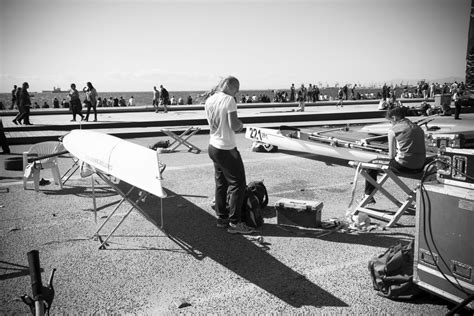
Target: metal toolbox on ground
(456, 167)
(444, 248)
(299, 213)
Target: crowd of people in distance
(311, 93)
(424, 89)
(261, 98)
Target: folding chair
(403, 205)
(182, 139)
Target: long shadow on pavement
(190, 225)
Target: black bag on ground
(392, 272)
(256, 199)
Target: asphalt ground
(198, 268)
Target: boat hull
(302, 142)
(124, 160)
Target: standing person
(344, 90)
(384, 91)
(340, 96)
(156, 99)
(164, 98)
(13, 97)
(75, 103)
(353, 95)
(457, 104)
(406, 147)
(309, 94)
(292, 92)
(221, 112)
(25, 103)
(91, 101)
(316, 93)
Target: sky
(125, 45)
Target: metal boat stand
(125, 197)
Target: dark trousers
(394, 166)
(230, 179)
(89, 106)
(24, 115)
(21, 110)
(457, 110)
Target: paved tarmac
(193, 267)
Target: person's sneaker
(240, 228)
(222, 222)
(44, 182)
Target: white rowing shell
(276, 138)
(129, 162)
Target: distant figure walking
(20, 110)
(75, 103)
(25, 103)
(91, 101)
(156, 99)
(164, 98)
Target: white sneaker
(240, 228)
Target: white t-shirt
(218, 106)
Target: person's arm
(234, 122)
(392, 145)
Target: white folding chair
(47, 150)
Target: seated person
(383, 105)
(406, 147)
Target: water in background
(145, 98)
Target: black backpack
(392, 272)
(256, 199)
